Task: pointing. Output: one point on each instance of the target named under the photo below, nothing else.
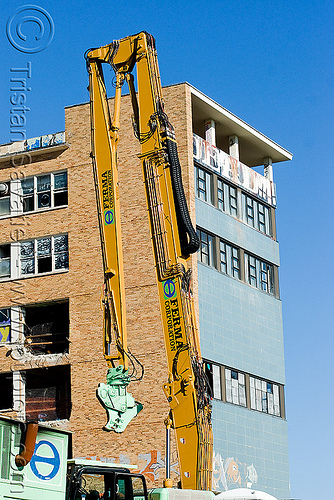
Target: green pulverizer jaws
(119, 404)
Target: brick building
(51, 282)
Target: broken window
(235, 387)
(5, 334)
(6, 391)
(38, 256)
(264, 396)
(46, 327)
(48, 393)
(44, 255)
(212, 372)
(208, 372)
(216, 381)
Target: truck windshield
(110, 487)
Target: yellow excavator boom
(173, 237)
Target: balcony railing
(234, 171)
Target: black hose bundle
(188, 237)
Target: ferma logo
(169, 289)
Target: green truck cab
(89, 480)
(52, 474)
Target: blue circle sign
(169, 289)
(109, 217)
(53, 460)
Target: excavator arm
(173, 239)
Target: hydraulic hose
(22, 459)
(188, 237)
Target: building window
(229, 259)
(259, 274)
(44, 191)
(262, 211)
(39, 192)
(250, 211)
(48, 393)
(220, 195)
(252, 274)
(264, 396)
(264, 223)
(223, 257)
(227, 198)
(33, 257)
(256, 272)
(233, 201)
(6, 391)
(5, 326)
(235, 387)
(44, 255)
(5, 261)
(206, 250)
(235, 262)
(213, 374)
(46, 327)
(256, 214)
(265, 277)
(4, 198)
(203, 184)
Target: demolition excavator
(34, 458)
(174, 240)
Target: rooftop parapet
(34, 146)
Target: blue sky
(271, 63)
